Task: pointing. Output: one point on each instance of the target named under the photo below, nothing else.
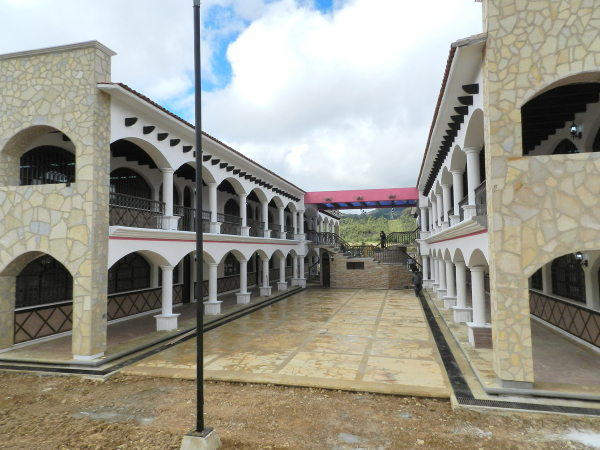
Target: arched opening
(231, 265)
(126, 181)
(326, 270)
(232, 208)
(568, 279)
(131, 203)
(47, 164)
(43, 300)
(187, 197)
(132, 272)
(565, 147)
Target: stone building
(510, 181)
(97, 190)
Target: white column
(440, 211)
(243, 296)
(301, 224)
(446, 202)
(479, 330)
(212, 307)
(426, 279)
(547, 279)
(281, 221)
(265, 290)
(473, 177)
(430, 213)
(462, 313)
(295, 222)
(424, 222)
(442, 278)
(265, 215)
(434, 213)
(320, 226)
(450, 298)
(167, 321)
(245, 227)
(215, 225)
(457, 183)
(294, 270)
(282, 285)
(301, 276)
(434, 274)
(169, 220)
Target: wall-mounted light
(359, 198)
(575, 131)
(579, 257)
(331, 257)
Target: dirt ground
(127, 413)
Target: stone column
(301, 277)
(281, 221)
(441, 292)
(282, 285)
(167, 321)
(446, 202)
(265, 290)
(480, 332)
(457, 183)
(462, 313)
(294, 270)
(245, 227)
(426, 279)
(169, 220)
(212, 307)
(215, 225)
(424, 222)
(243, 297)
(450, 297)
(265, 215)
(473, 177)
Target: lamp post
(202, 437)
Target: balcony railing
(230, 224)
(463, 202)
(480, 200)
(289, 233)
(187, 218)
(206, 221)
(129, 211)
(276, 233)
(257, 228)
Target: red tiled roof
(156, 105)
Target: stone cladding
(55, 90)
(539, 207)
(373, 276)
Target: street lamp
(202, 437)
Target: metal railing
(129, 211)
(402, 237)
(480, 200)
(276, 234)
(463, 202)
(187, 217)
(313, 272)
(289, 233)
(206, 215)
(577, 320)
(230, 224)
(257, 228)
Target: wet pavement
(362, 340)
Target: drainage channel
(464, 395)
(175, 341)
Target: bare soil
(127, 413)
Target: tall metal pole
(199, 234)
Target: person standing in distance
(382, 236)
(417, 280)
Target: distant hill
(365, 228)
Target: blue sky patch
(324, 5)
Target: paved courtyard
(371, 340)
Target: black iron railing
(289, 233)
(577, 320)
(230, 224)
(206, 215)
(480, 200)
(276, 233)
(231, 283)
(129, 211)
(41, 321)
(402, 237)
(187, 218)
(463, 202)
(257, 228)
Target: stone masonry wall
(539, 207)
(42, 91)
(374, 275)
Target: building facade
(98, 220)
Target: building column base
(454, 220)
(166, 322)
(245, 231)
(88, 357)
(215, 227)
(267, 233)
(243, 299)
(170, 222)
(427, 283)
(282, 286)
(294, 282)
(265, 291)
(435, 286)
(462, 315)
(301, 282)
(470, 211)
(441, 293)
(480, 336)
(449, 302)
(212, 308)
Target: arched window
(128, 182)
(232, 265)
(47, 165)
(249, 211)
(130, 273)
(43, 281)
(565, 147)
(568, 279)
(288, 260)
(232, 208)
(187, 197)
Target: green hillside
(364, 229)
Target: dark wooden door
(325, 270)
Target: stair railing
(317, 276)
(402, 237)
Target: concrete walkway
(362, 340)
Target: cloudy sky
(330, 94)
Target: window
(355, 266)
(568, 279)
(47, 165)
(43, 281)
(231, 208)
(232, 266)
(130, 273)
(128, 182)
(537, 280)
